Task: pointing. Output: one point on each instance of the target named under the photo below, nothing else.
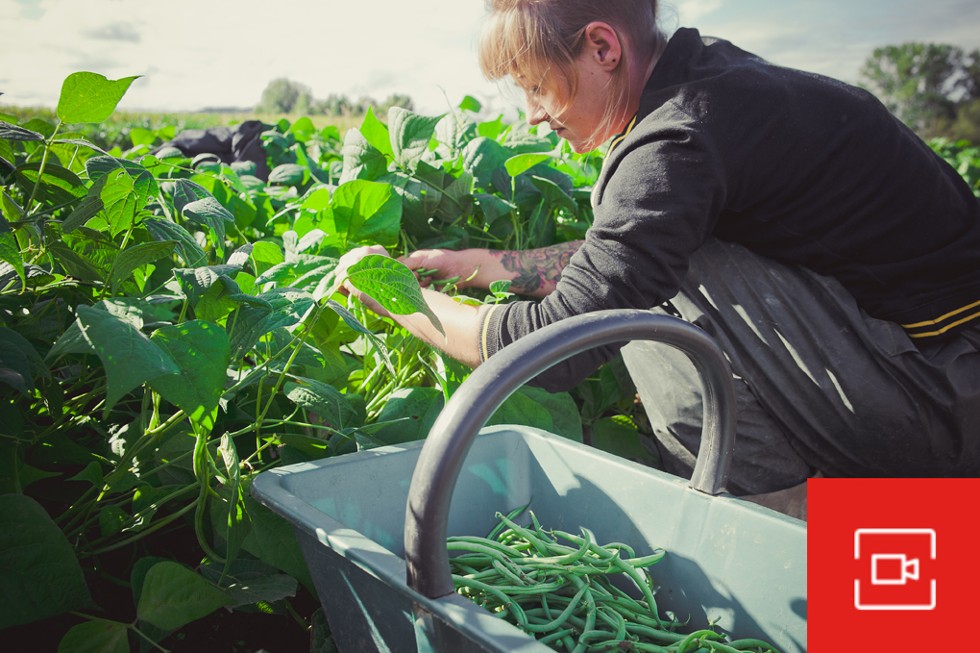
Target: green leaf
(128, 356)
(13, 132)
(411, 413)
(19, 361)
(278, 308)
(137, 256)
(361, 159)
(272, 540)
(288, 174)
(251, 581)
(391, 284)
(123, 197)
(330, 406)
(57, 185)
(10, 253)
(210, 212)
(410, 135)
(365, 212)
(376, 133)
(352, 322)
(188, 249)
(90, 97)
(174, 596)
(202, 352)
(618, 435)
(521, 163)
(470, 103)
(96, 637)
(39, 574)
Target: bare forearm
(460, 322)
(533, 272)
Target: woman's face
(578, 117)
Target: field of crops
(168, 330)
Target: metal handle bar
(441, 457)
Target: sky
(194, 54)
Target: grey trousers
(821, 386)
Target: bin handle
(476, 399)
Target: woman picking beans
(832, 254)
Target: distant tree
(285, 96)
(923, 83)
(395, 100)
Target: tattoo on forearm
(537, 270)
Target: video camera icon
(892, 577)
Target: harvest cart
(373, 525)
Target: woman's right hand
(460, 266)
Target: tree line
(933, 88)
(285, 96)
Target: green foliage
(924, 84)
(168, 329)
(963, 156)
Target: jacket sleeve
(656, 202)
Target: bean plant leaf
(288, 174)
(391, 284)
(19, 361)
(365, 212)
(410, 135)
(90, 98)
(361, 159)
(211, 213)
(55, 184)
(128, 356)
(13, 132)
(187, 247)
(10, 253)
(174, 596)
(39, 573)
(354, 324)
(251, 581)
(100, 636)
(137, 256)
(408, 415)
(326, 402)
(521, 163)
(123, 197)
(376, 133)
(202, 352)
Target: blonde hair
(528, 39)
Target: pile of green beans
(557, 587)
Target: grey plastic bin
(372, 525)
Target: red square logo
(890, 563)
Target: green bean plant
(169, 328)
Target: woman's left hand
(340, 273)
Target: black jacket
(795, 166)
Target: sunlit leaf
(521, 163)
(411, 134)
(391, 284)
(90, 97)
(129, 357)
(202, 352)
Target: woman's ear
(603, 45)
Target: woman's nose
(535, 112)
